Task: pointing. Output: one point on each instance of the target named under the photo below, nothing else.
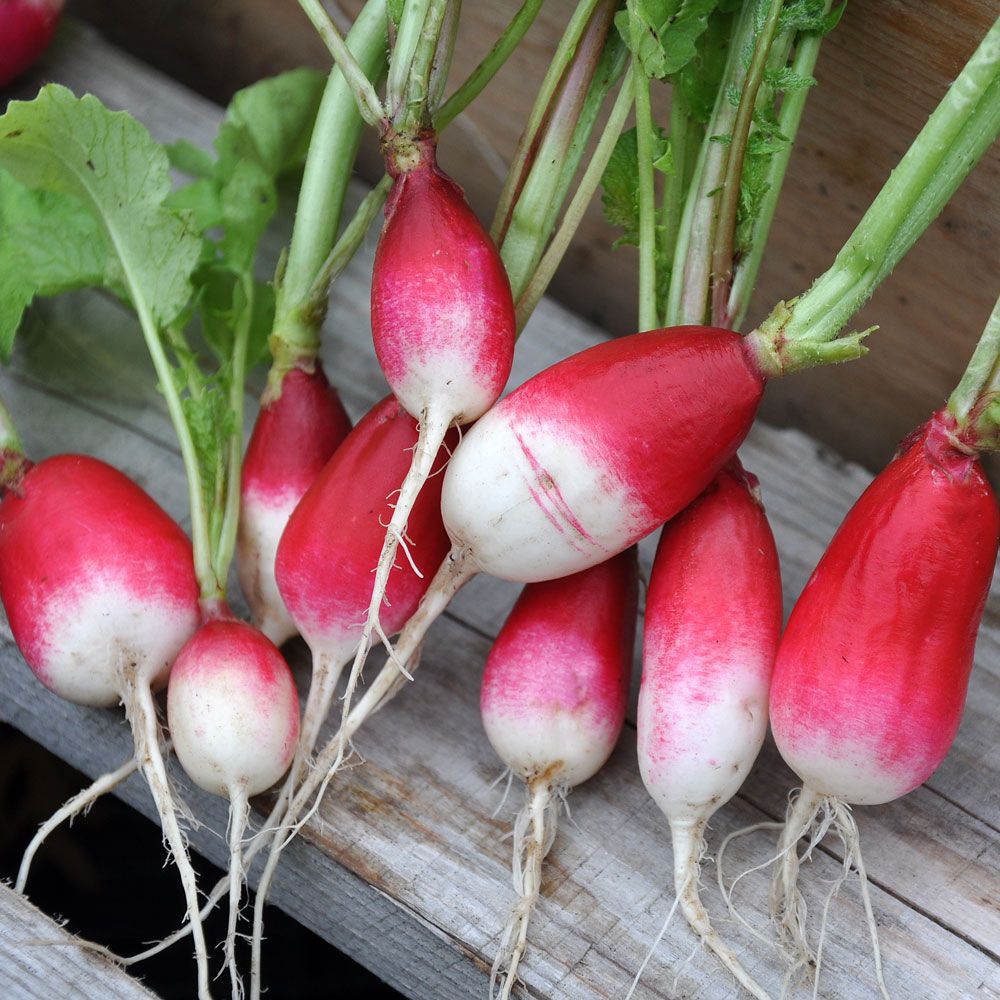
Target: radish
(234, 717)
(443, 325)
(323, 564)
(100, 606)
(26, 28)
(713, 618)
(553, 700)
(872, 671)
(298, 428)
(323, 571)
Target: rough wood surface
(39, 959)
(405, 867)
(881, 72)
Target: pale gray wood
(38, 958)
(410, 864)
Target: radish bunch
(553, 702)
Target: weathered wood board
(36, 954)
(405, 866)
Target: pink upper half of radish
(556, 682)
(233, 708)
(713, 618)
(597, 451)
(26, 28)
(442, 313)
(293, 438)
(325, 558)
(873, 668)
(95, 577)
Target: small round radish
(713, 618)
(26, 28)
(234, 717)
(553, 702)
(100, 592)
(872, 671)
(298, 428)
(443, 325)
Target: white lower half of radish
(698, 741)
(850, 769)
(531, 504)
(96, 636)
(262, 521)
(226, 734)
(444, 380)
(561, 748)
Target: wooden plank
(881, 72)
(434, 856)
(40, 959)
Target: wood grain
(39, 959)
(405, 867)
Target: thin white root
(239, 813)
(453, 574)
(219, 890)
(79, 803)
(433, 430)
(812, 815)
(654, 946)
(541, 814)
(689, 847)
(727, 894)
(142, 716)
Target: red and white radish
(26, 28)
(299, 426)
(872, 671)
(234, 717)
(101, 605)
(599, 450)
(324, 574)
(553, 702)
(326, 553)
(443, 325)
(713, 619)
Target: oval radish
(26, 28)
(443, 325)
(100, 605)
(872, 671)
(713, 618)
(599, 450)
(553, 702)
(324, 574)
(298, 428)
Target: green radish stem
(963, 126)
(369, 106)
(729, 196)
